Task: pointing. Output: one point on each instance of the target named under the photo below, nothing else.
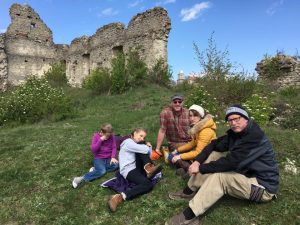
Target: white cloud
(134, 4)
(194, 12)
(2, 31)
(109, 12)
(273, 8)
(165, 2)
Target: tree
(215, 63)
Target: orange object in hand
(155, 155)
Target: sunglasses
(177, 101)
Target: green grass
(38, 163)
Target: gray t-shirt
(127, 155)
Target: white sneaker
(92, 169)
(76, 181)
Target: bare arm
(160, 138)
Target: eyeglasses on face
(177, 101)
(236, 119)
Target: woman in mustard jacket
(203, 131)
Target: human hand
(105, 136)
(148, 144)
(174, 152)
(194, 168)
(175, 158)
(114, 161)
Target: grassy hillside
(38, 163)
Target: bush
(98, 81)
(136, 69)
(118, 75)
(198, 95)
(160, 73)
(287, 113)
(271, 67)
(56, 75)
(33, 101)
(259, 109)
(215, 63)
(234, 89)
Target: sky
(247, 29)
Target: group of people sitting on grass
(241, 163)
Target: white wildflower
(290, 167)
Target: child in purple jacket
(104, 149)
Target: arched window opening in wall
(32, 25)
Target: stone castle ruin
(27, 47)
(289, 68)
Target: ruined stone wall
(3, 65)
(28, 47)
(88, 53)
(289, 69)
(149, 31)
(78, 58)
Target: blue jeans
(101, 167)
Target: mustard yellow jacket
(202, 134)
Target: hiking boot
(179, 195)
(152, 170)
(76, 181)
(180, 220)
(114, 201)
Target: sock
(123, 196)
(188, 213)
(187, 191)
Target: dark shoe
(179, 195)
(152, 170)
(114, 201)
(180, 220)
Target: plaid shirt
(175, 124)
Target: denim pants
(101, 167)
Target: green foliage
(136, 69)
(259, 108)
(271, 67)
(198, 95)
(287, 113)
(215, 63)
(118, 75)
(233, 89)
(160, 73)
(61, 151)
(183, 86)
(98, 81)
(56, 75)
(33, 101)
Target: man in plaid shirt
(174, 124)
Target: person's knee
(100, 172)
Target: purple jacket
(103, 149)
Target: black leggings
(139, 177)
